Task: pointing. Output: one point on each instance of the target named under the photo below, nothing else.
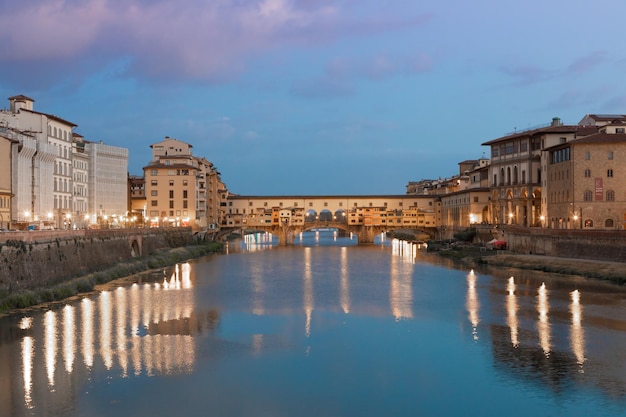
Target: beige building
(8, 148)
(181, 189)
(585, 187)
(515, 173)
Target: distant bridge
(365, 216)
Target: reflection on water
(511, 309)
(148, 328)
(535, 330)
(577, 332)
(472, 303)
(543, 324)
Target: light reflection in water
(105, 329)
(69, 342)
(511, 309)
(117, 337)
(401, 285)
(472, 303)
(121, 317)
(577, 332)
(258, 289)
(543, 324)
(307, 299)
(86, 306)
(50, 344)
(344, 286)
(28, 350)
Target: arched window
(588, 196)
(501, 176)
(515, 175)
(588, 223)
(608, 223)
(610, 195)
(587, 173)
(508, 176)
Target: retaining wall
(31, 260)
(601, 245)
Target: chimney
(556, 121)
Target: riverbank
(87, 283)
(605, 270)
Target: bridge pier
(286, 235)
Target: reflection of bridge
(365, 216)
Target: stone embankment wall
(31, 260)
(600, 245)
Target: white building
(108, 182)
(51, 170)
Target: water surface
(324, 328)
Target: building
(470, 205)
(584, 181)
(515, 172)
(182, 189)
(108, 184)
(8, 150)
(57, 177)
(137, 199)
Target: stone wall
(41, 259)
(601, 245)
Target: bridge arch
(325, 216)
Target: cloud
(341, 74)
(165, 40)
(531, 74)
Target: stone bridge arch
(135, 243)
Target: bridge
(366, 216)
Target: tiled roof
(602, 138)
(534, 132)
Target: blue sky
(314, 96)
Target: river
(322, 328)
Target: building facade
(585, 187)
(516, 180)
(181, 189)
(51, 171)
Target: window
(184, 194)
(153, 203)
(154, 193)
(608, 223)
(587, 173)
(588, 196)
(588, 223)
(171, 204)
(184, 204)
(171, 183)
(609, 173)
(620, 130)
(171, 193)
(610, 155)
(184, 183)
(475, 199)
(154, 172)
(610, 195)
(587, 155)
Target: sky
(314, 97)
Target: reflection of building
(141, 329)
(182, 189)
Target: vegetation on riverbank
(473, 255)
(88, 282)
